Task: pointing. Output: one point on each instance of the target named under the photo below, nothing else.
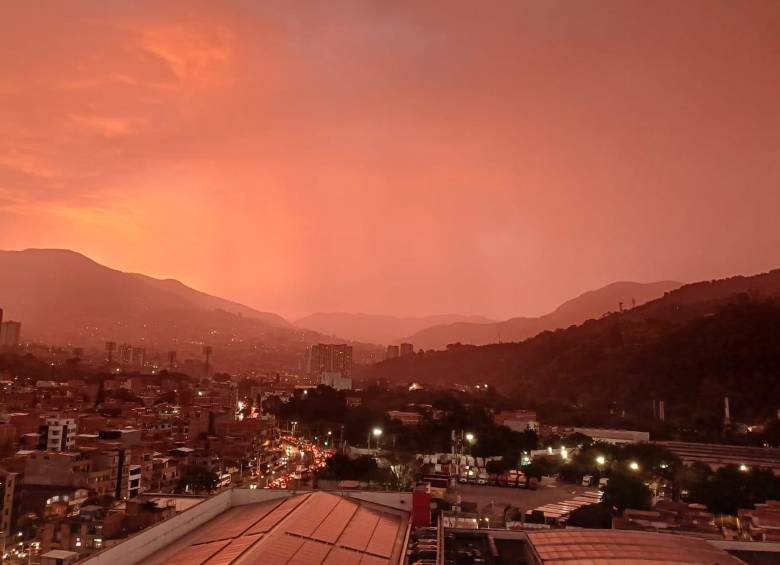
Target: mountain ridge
(690, 347)
(590, 304)
(377, 328)
(57, 293)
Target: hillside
(593, 304)
(376, 328)
(62, 297)
(702, 341)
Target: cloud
(196, 55)
(27, 163)
(107, 126)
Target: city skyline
(396, 160)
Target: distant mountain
(691, 347)
(593, 304)
(40, 285)
(62, 297)
(376, 328)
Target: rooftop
(575, 547)
(311, 528)
(718, 454)
(304, 529)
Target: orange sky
(395, 157)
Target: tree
(198, 479)
(341, 467)
(272, 404)
(404, 467)
(536, 470)
(591, 516)
(728, 489)
(498, 466)
(627, 491)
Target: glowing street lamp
(600, 460)
(470, 438)
(634, 466)
(376, 432)
(743, 468)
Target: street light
(376, 433)
(634, 466)
(743, 468)
(470, 438)
(600, 460)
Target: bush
(592, 516)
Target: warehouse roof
(574, 547)
(307, 529)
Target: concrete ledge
(138, 547)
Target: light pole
(470, 438)
(377, 433)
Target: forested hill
(689, 352)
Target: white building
(58, 434)
(336, 380)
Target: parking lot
(525, 499)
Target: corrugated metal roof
(611, 546)
(309, 529)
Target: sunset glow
(402, 157)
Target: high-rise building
(58, 434)
(7, 487)
(330, 358)
(392, 352)
(10, 333)
(125, 354)
(406, 349)
(138, 357)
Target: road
(295, 448)
(525, 499)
